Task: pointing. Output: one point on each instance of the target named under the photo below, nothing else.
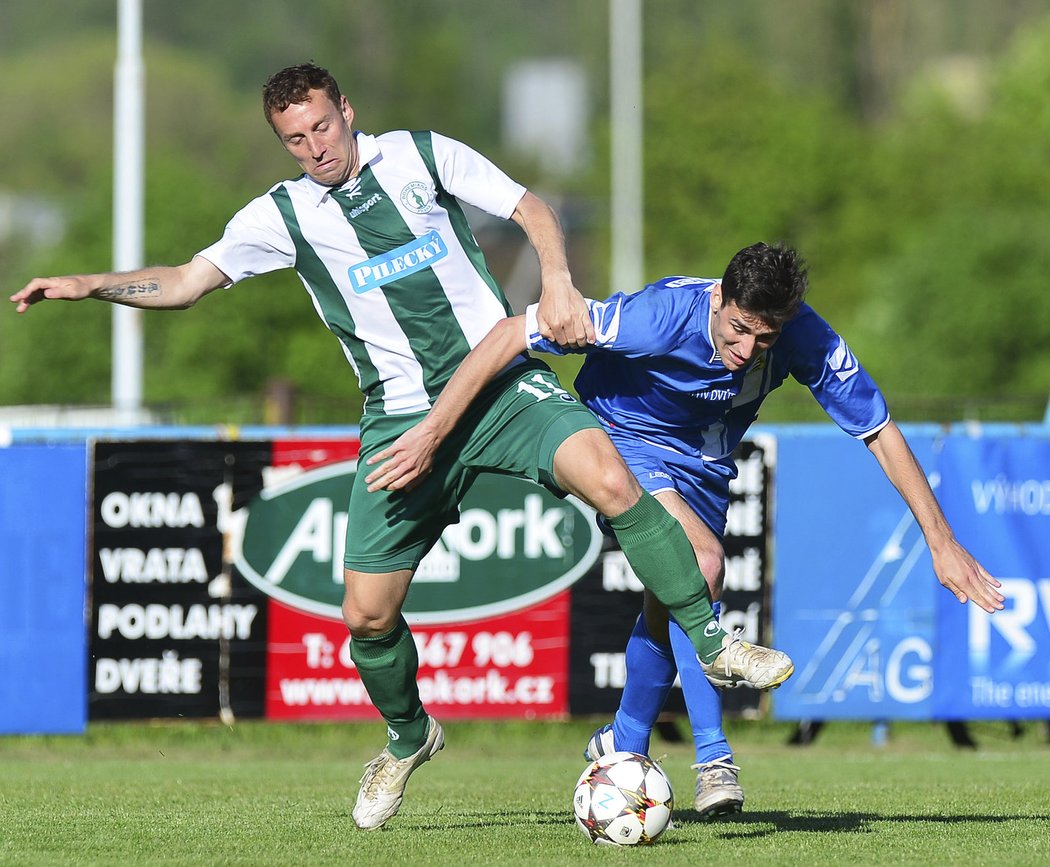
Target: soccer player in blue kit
(676, 375)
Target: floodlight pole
(128, 198)
(625, 85)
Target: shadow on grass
(758, 824)
(460, 821)
(741, 826)
(746, 825)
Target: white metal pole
(128, 198)
(625, 84)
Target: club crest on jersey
(418, 197)
(399, 262)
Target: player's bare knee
(613, 487)
(372, 601)
(364, 624)
(355, 619)
(367, 621)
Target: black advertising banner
(177, 631)
(174, 631)
(607, 600)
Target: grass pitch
(500, 793)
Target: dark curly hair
(291, 85)
(767, 282)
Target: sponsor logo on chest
(716, 394)
(400, 262)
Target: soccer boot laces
(742, 664)
(385, 777)
(718, 791)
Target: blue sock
(650, 673)
(702, 700)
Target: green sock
(388, 665)
(660, 554)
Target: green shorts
(514, 427)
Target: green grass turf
(500, 793)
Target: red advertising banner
(510, 666)
(489, 608)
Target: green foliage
(903, 151)
(906, 224)
(207, 153)
(733, 157)
(952, 286)
(62, 351)
(966, 304)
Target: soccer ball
(624, 799)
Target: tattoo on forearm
(127, 291)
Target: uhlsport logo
(514, 545)
(418, 197)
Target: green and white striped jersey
(388, 259)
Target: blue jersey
(654, 372)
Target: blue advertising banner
(854, 593)
(43, 654)
(995, 491)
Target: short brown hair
(767, 282)
(292, 85)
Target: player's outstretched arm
(955, 567)
(161, 287)
(409, 458)
(563, 316)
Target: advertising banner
(853, 602)
(608, 599)
(215, 581)
(43, 656)
(509, 666)
(488, 606)
(996, 494)
(173, 631)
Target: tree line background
(903, 147)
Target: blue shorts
(704, 485)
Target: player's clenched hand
(404, 463)
(967, 579)
(40, 288)
(563, 316)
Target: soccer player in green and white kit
(376, 233)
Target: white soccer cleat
(385, 778)
(743, 664)
(600, 744)
(718, 791)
